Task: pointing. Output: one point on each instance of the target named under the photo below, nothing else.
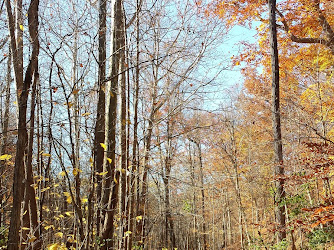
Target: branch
(300, 39)
(135, 15)
(317, 133)
(326, 27)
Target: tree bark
(4, 140)
(23, 88)
(30, 217)
(111, 198)
(101, 110)
(134, 171)
(276, 118)
(202, 193)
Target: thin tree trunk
(30, 218)
(202, 193)
(76, 142)
(123, 146)
(100, 119)
(169, 225)
(134, 172)
(276, 117)
(194, 187)
(141, 231)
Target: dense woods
(112, 136)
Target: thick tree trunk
(100, 119)
(276, 117)
(4, 139)
(111, 198)
(23, 88)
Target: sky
(231, 79)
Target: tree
(276, 117)
(23, 88)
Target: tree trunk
(202, 194)
(194, 187)
(123, 147)
(111, 197)
(4, 141)
(276, 117)
(100, 119)
(23, 88)
(134, 170)
(30, 218)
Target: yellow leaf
(53, 246)
(50, 226)
(62, 173)
(68, 197)
(102, 173)
(109, 160)
(44, 189)
(127, 233)
(139, 218)
(25, 228)
(56, 246)
(32, 239)
(21, 27)
(84, 200)
(76, 171)
(69, 214)
(45, 154)
(91, 160)
(70, 238)
(5, 157)
(56, 194)
(69, 104)
(103, 146)
(59, 234)
(86, 114)
(115, 180)
(46, 208)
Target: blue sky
(230, 81)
